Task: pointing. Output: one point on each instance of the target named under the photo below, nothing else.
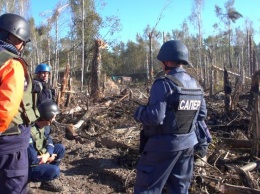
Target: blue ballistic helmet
(42, 67)
(174, 50)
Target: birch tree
(19, 7)
(231, 15)
(196, 20)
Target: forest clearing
(98, 79)
(102, 155)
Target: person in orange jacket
(16, 104)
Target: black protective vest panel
(189, 105)
(185, 109)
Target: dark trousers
(157, 169)
(47, 172)
(14, 173)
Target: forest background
(223, 45)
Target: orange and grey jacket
(16, 100)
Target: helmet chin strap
(21, 48)
(169, 68)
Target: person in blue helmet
(41, 83)
(176, 103)
(44, 156)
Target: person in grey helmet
(176, 103)
(45, 156)
(17, 113)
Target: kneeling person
(44, 156)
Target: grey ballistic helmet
(48, 109)
(174, 50)
(15, 25)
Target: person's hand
(52, 158)
(138, 113)
(44, 158)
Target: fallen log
(234, 189)
(71, 131)
(73, 110)
(82, 120)
(230, 72)
(236, 143)
(123, 130)
(246, 178)
(250, 166)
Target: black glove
(138, 113)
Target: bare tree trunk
(83, 46)
(211, 72)
(229, 46)
(62, 99)
(256, 129)
(215, 78)
(147, 68)
(55, 70)
(254, 61)
(237, 91)
(254, 89)
(227, 90)
(70, 93)
(254, 104)
(256, 148)
(150, 56)
(251, 65)
(49, 56)
(249, 54)
(211, 88)
(96, 70)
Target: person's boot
(200, 161)
(53, 186)
(199, 165)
